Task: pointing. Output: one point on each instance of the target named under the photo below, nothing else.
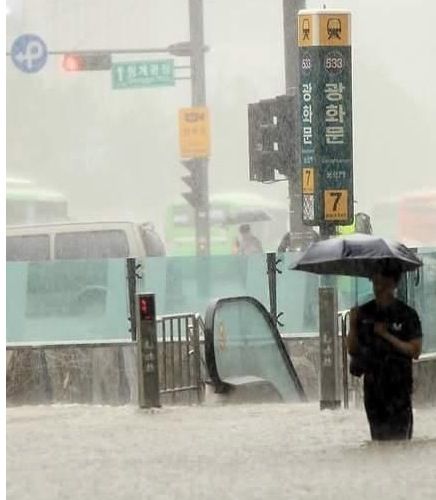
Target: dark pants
(388, 405)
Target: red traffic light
(72, 62)
(147, 310)
(143, 304)
(87, 61)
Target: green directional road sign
(143, 74)
(326, 117)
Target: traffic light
(262, 135)
(147, 308)
(287, 135)
(147, 352)
(195, 180)
(272, 138)
(87, 61)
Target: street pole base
(330, 405)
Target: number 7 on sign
(336, 205)
(337, 195)
(308, 181)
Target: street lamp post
(198, 99)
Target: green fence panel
(189, 284)
(297, 296)
(424, 298)
(67, 301)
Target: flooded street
(240, 452)
(224, 195)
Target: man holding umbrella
(385, 333)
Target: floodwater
(242, 452)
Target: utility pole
(298, 230)
(198, 99)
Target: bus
(268, 220)
(26, 203)
(410, 219)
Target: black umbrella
(357, 255)
(247, 215)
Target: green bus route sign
(140, 74)
(325, 116)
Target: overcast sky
(115, 152)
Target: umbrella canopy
(356, 255)
(247, 215)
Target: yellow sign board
(194, 132)
(308, 181)
(336, 205)
(333, 29)
(305, 30)
(324, 28)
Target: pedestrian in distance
(248, 244)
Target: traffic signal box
(272, 139)
(83, 61)
(147, 352)
(196, 197)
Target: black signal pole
(198, 87)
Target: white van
(70, 278)
(82, 240)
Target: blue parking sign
(29, 53)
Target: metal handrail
(180, 347)
(219, 384)
(186, 315)
(427, 356)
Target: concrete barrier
(103, 374)
(106, 374)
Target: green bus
(26, 203)
(268, 220)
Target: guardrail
(179, 343)
(106, 372)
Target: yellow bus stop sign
(308, 181)
(194, 132)
(336, 205)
